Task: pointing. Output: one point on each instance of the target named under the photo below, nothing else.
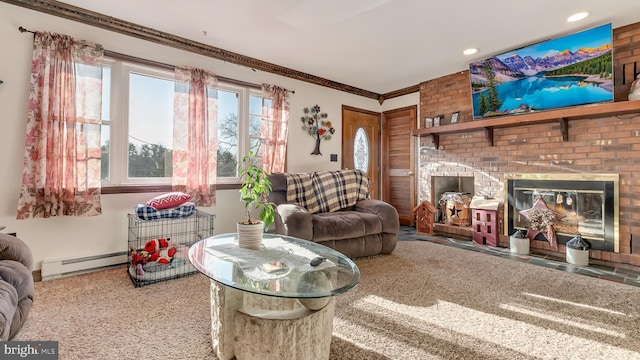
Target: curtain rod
(158, 64)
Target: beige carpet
(425, 301)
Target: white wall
(402, 101)
(69, 237)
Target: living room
(79, 237)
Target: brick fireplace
(601, 145)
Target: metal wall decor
(315, 123)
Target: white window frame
(119, 122)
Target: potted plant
(253, 193)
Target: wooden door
(361, 144)
(398, 179)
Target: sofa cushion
(8, 307)
(300, 192)
(344, 225)
(341, 189)
(168, 200)
(12, 248)
(16, 295)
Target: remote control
(317, 261)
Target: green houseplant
(254, 193)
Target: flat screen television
(572, 70)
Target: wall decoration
(572, 70)
(438, 119)
(428, 122)
(455, 117)
(315, 123)
(541, 220)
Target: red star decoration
(550, 234)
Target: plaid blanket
(337, 190)
(300, 191)
(145, 212)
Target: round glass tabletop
(283, 266)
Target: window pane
(255, 114)
(256, 147)
(105, 130)
(104, 151)
(106, 93)
(228, 130)
(150, 126)
(88, 78)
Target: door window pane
(361, 150)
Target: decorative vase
(316, 151)
(519, 243)
(250, 235)
(577, 251)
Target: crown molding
(400, 92)
(85, 16)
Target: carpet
(424, 301)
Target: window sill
(154, 188)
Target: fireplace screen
(589, 203)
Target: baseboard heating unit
(52, 269)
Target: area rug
(424, 301)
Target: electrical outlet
(334, 157)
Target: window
(137, 125)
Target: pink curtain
(195, 129)
(61, 173)
(275, 125)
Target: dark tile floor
(616, 274)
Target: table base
(251, 326)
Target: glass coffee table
(275, 302)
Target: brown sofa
(333, 208)
(16, 285)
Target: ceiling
(376, 45)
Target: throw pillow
(168, 200)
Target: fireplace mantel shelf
(562, 116)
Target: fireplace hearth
(588, 201)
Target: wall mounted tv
(572, 70)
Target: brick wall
(604, 145)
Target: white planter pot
(577, 257)
(250, 235)
(519, 246)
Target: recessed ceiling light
(578, 16)
(470, 51)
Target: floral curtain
(195, 129)
(275, 125)
(61, 173)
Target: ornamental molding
(85, 16)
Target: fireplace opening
(451, 196)
(589, 203)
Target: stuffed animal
(163, 256)
(156, 244)
(138, 257)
